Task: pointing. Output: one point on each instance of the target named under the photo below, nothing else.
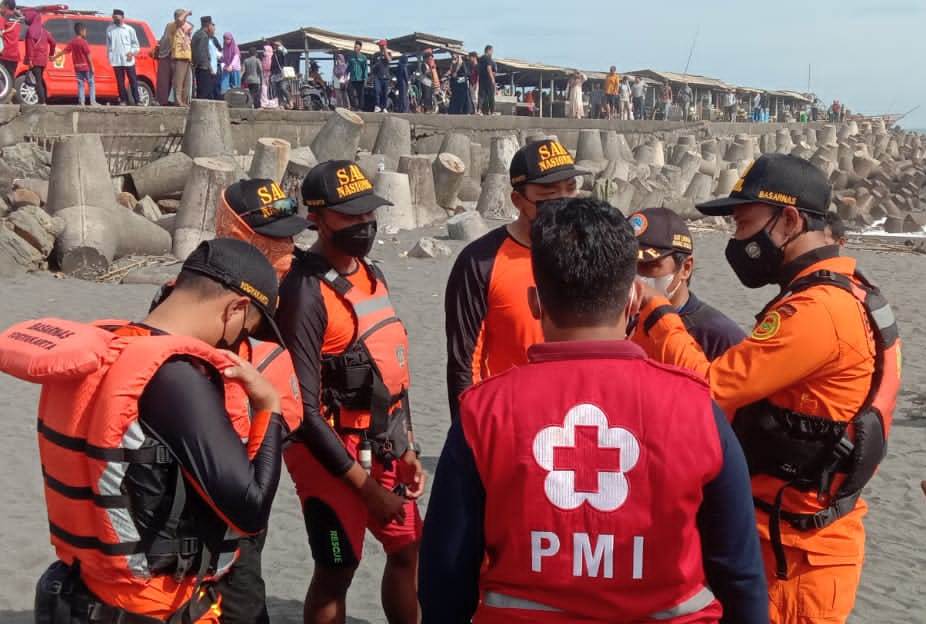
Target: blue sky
(868, 53)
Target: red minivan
(60, 79)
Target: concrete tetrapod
(460, 146)
(271, 157)
(590, 147)
(466, 226)
(725, 182)
(298, 167)
(700, 188)
(501, 152)
(164, 177)
(339, 138)
(448, 171)
(94, 233)
(400, 215)
(208, 130)
(394, 140)
(196, 216)
(421, 185)
(495, 199)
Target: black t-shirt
(484, 64)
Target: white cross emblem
(586, 460)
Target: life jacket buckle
(162, 455)
(189, 546)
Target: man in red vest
(596, 484)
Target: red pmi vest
(593, 460)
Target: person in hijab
(341, 81)
(267, 97)
(231, 63)
(40, 47)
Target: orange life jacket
(808, 452)
(366, 387)
(89, 435)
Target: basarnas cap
(341, 186)
(779, 180)
(266, 209)
(543, 162)
(241, 267)
(660, 232)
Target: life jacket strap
(802, 522)
(156, 454)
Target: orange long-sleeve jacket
(812, 353)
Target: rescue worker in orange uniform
(573, 474)
(257, 211)
(147, 482)
(355, 460)
(487, 320)
(811, 392)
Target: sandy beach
(892, 585)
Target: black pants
(38, 75)
(244, 596)
(487, 101)
(254, 89)
(121, 74)
(205, 84)
(356, 95)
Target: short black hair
(584, 256)
(358, 43)
(199, 284)
(79, 26)
(488, 47)
(10, 4)
(252, 51)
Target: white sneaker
(376, 109)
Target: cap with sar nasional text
(778, 180)
(543, 162)
(660, 232)
(242, 268)
(341, 186)
(266, 209)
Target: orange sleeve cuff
(259, 423)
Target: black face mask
(756, 260)
(355, 240)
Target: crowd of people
(581, 498)
(197, 63)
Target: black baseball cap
(543, 162)
(778, 180)
(242, 268)
(118, 12)
(205, 20)
(660, 232)
(267, 210)
(341, 186)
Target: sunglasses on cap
(285, 207)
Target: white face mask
(662, 283)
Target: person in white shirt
(122, 47)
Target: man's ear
(533, 300)
(687, 268)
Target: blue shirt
(453, 544)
